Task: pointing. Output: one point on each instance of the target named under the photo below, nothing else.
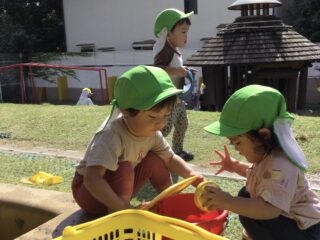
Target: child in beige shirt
(128, 150)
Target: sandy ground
(314, 179)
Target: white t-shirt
(84, 100)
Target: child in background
(201, 97)
(277, 202)
(129, 149)
(85, 98)
(171, 28)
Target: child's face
(247, 147)
(146, 123)
(178, 37)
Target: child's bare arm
(101, 190)
(176, 72)
(256, 208)
(178, 166)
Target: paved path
(314, 179)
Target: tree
(304, 16)
(33, 24)
(13, 37)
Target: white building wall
(115, 63)
(118, 23)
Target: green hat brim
(223, 130)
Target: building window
(86, 47)
(191, 5)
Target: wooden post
(214, 78)
(62, 88)
(292, 94)
(302, 89)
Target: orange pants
(125, 181)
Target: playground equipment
(102, 74)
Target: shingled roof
(255, 39)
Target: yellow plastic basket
(136, 225)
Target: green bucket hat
(168, 18)
(142, 87)
(254, 107)
(250, 108)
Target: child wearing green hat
(128, 149)
(277, 202)
(171, 28)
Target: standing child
(85, 98)
(277, 202)
(171, 28)
(129, 149)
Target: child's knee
(152, 160)
(122, 180)
(160, 176)
(125, 172)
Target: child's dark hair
(181, 21)
(267, 145)
(168, 102)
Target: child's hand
(214, 198)
(143, 203)
(192, 70)
(227, 163)
(154, 208)
(199, 180)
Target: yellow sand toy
(43, 178)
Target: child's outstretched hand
(227, 163)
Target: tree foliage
(31, 26)
(304, 16)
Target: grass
(26, 165)
(71, 128)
